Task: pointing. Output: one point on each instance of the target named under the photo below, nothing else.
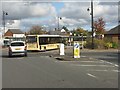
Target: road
(95, 69)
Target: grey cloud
(78, 11)
(19, 10)
(109, 3)
(75, 10)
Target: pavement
(69, 56)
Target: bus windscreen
(31, 39)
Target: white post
(62, 52)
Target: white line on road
(104, 70)
(95, 65)
(109, 63)
(115, 70)
(91, 75)
(92, 61)
(116, 65)
(83, 56)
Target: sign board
(62, 49)
(76, 50)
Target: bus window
(31, 39)
(55, 40)
(49, 40)
(43, 40)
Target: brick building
(14, 33)
(113, 34)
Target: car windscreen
(17, 44)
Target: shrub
(108, 45)
(98, 43)
(105, 43)
(114, 45)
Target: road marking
(95, 65)
(83, 56)
(115, 70)
(104, 70)
(19, 58)
(116, 65)
(109, 63)
(92, 61)
(91, 75)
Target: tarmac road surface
(41, 70)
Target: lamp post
(4, 13)
(82, 39)
(59, 18)
(92, 23)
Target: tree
(99, 26)
(80, 31)
(37, 30)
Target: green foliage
(101, 44)
(98, 44)
(111, 45)
(114, 45)
(80, 31)
(108, 45)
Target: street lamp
(92, 23)
(82, 39)
(4, 13)
(59, 18)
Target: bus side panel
(32, 46)
(49, 46)
(53, 46)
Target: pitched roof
(115, 30)
(56, 32)
(16, 31)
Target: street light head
(60, 18)
(6, 13)
(88, 9)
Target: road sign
(76, 50)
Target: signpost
(76, 50)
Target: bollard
(76, 49)
(62, 52)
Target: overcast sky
(24, 14)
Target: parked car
(17, 47)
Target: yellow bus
(42, 42)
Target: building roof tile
(115, 30)
(16, 31)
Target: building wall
(18, 35)
(114, 38)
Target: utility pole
(59, 18)
(4, 13)
(92, 24)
